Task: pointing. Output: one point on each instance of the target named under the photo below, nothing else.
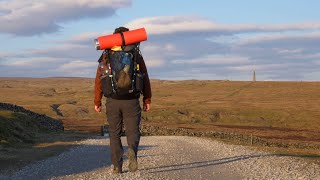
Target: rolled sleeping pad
(121, 39)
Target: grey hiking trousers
(119, 113)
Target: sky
(194, 39)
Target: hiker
(121, 77)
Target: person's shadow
(82, 159)
(199, 164)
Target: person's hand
(146, 107)
(97, 108)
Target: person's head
(120, 29)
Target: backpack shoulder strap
(137, 53)
(106, 54)
(100, 59)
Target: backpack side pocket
(139, 82)
(106, 85)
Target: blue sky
(203, 39)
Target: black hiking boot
(116, 170)
(133, 164)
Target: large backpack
(120, 73)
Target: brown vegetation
(279, 111)
(236, 105)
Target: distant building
(254, 76)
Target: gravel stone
(170, 157)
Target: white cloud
(3, 56)
(154, 62)
(290, 51)
(176, 24)
(214, 60)
(77, 68)
(167, 48)
(206, 49)
(279, 37)
(261, 67)
(31, 17)
(49, 67)
(171, 24)
(82, 38)
(77, 65)
(34, 62)
(57, 48)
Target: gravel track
(171, 157)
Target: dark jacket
(146, 92)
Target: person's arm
(97, 91)
(147, 94)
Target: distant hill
(18, 124)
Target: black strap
(123, 40)
(100, 59)
(136, 51)
(107, 52)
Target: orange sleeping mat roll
(128, 37)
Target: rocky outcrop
(45, 121)
(55, 108)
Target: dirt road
(171, 157)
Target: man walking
(114, 81)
